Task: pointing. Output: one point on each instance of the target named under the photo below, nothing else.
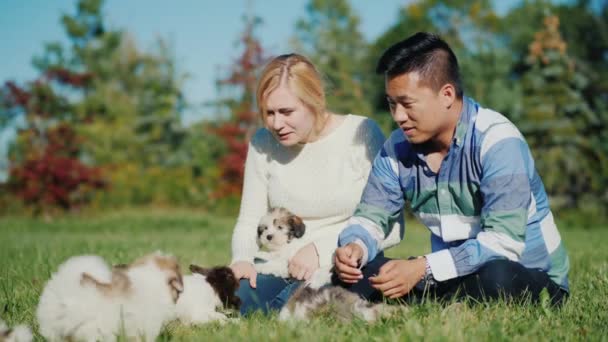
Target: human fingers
(344, 255)
(347, 270)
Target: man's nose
(399, 113)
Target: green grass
(31, 249)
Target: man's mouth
(408, 130)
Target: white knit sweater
(321, 182)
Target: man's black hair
(427, 54)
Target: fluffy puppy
(307, 303)
(206, 291)
(276, 232)
(20, 333)
(279, 233)
(87, 300)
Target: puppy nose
(269, 237)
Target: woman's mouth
(283, 136)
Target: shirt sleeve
(254, 204)
(380, 206)
(507, 167)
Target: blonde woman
(308, 160)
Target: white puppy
(87, 300)
(20, 333)
(205, 292)
(279, 233)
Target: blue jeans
(271, 293)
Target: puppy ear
(298, 228)
(199, 270)
(88, 280)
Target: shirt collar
(467, 113)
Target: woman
(308, 160)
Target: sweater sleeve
(368, 141)
(254, 203)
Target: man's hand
(397, 277)
(346, 260)
(304, 263)
(244, 269)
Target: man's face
(418, 110)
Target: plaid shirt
(486, 202)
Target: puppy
(335, 301)
(20, 333)
(279, 233)
(276, 232)
(206, 291)
(87, 300)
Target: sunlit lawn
(30, 249)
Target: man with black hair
(469, 177)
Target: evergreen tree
(567, 137)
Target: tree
(330, 37)
(474, 32)
(567, 137)
(238, 129)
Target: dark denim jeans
(271, 293)
(496, 279)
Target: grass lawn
(31, 249)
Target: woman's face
(289, 120)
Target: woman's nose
(277, 122)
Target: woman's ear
(199, 270)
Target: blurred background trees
(102, 125)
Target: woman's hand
(304, 263)
(244, 269)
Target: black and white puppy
(207, 291)
(277, 231)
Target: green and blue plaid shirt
(486, 202)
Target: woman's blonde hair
(302, 78)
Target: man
(469, 176)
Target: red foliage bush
(55, 177)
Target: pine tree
(567, 137)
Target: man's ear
(199, 270)
(297, 226)
(447, 95)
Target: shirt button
(443, 191)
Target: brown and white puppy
(207, 291)
(88, 300)
(277, 230)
